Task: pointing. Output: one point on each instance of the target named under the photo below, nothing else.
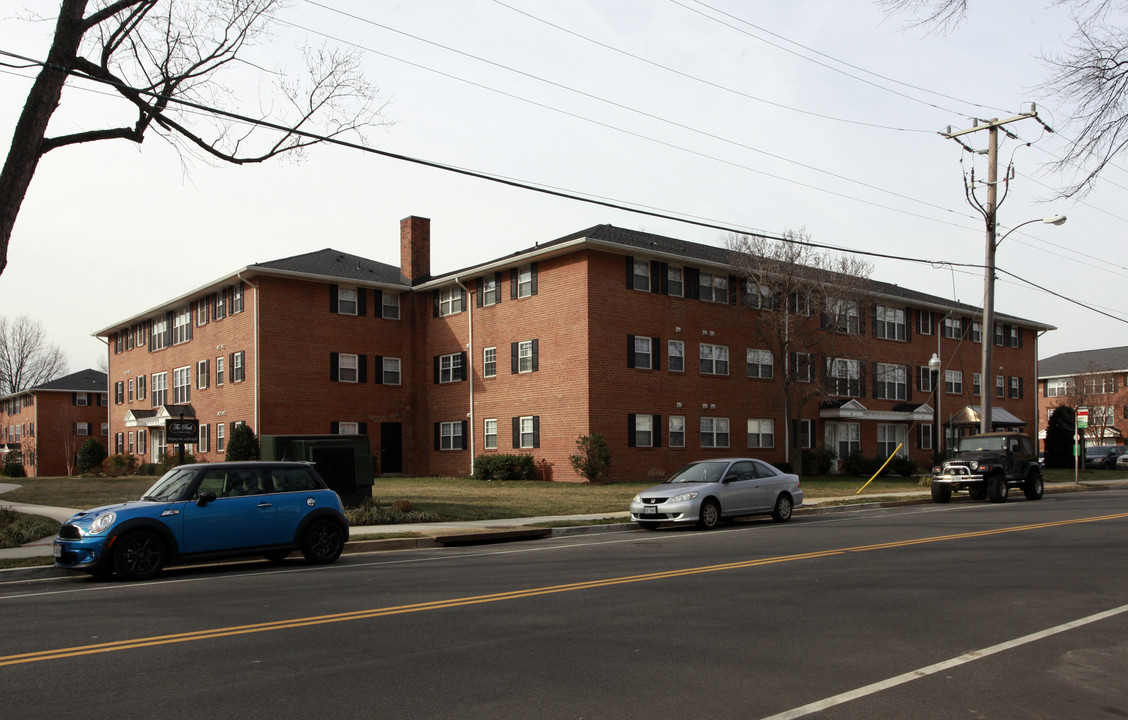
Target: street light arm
(1052, 220)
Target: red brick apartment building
(47, 424)
(1096, 379)
(527, 352)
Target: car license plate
(649, 510)
(58, 551)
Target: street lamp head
(1054, 220)
(934, 364)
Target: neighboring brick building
(1096, 379)
(527, 352)
(48, 423)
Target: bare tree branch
(27, 357)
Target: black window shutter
(361, 301)
(908, 324)
(436, 369)
(334, 366)
(74, 398)
(513, 284)
(478, 293)
(462, 296)
(1020, 337)
(516, 433)
(655, 275)
(434, 303)
(438, 436)
(1021, 382)
(655, 354)
(657, 424)
(875, 383)
(378, 370)
(462, 439)
(462, 365)
(362, 370)
(861, 319)
(363, 428)
(632, 441)
(630, 351)
(231, 366)
(497, 284)
(168, 329)
(536, 431)
(335, 428)
(733, 284)
(908, 383)
(377, 303)
(207, 372)
(533, 272)
(513, 367)
(630, 272)
(664, 278)
(692, 283)
(536, 354)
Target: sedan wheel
(710, 515)
(782, 510)
(323, 542)
(140, 555)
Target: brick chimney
(415, 248)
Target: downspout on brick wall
(469, 366)
(255, 323)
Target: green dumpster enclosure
(345, 461)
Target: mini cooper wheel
(323, 542)
(139, 555)
(710, 515)
(782, 510)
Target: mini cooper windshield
(170, 487)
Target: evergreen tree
(242, 445)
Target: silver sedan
(707, 491)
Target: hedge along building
(46, 425)
(528, 352)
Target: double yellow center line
(513, 595)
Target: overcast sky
(769, 116)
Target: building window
(1015, 387)
(806, 433)
(348, 368)
(760, 363)
(843, 316)
(526, 282)
(105, 429)
(238, 370)
(924, 322)
(142, 438)
(641, 275)
(1058, 387)
(450, 368)
(952, 328)
(119, 392)
(525, 356)
(845, 377)
(714, 359)
(450, 301)
(129, 442)
(676, 351)
(82, 399)
(491, 290)
(159, 339)
(1013, 337)
(758, 297)
(160, 389)
(761, 433)
(348, 428)
(889, 323)
(203, 374)
(390, 306)
(202, 312)
(182, 326)
(641, 357)
(219, 363)
(526, 431)
(953, 382)
(889, 437)
(119, 443)
(346, 301)
(219, 309)
(390, 367)
(677, 431)
(491, 434)
(642, 430)
(489, 362)
(237, 298)
(976, 384)
(220, 440)
(139, 335)
(181, 385)
(82, 429)
(713, 288)
(845, 438)
(129, 390)
(998, 334)
(714, 432)
(924, 440)
(205, 438)
(890, 382)
(1000, 386)
(675, 284)
(975, 331)
(803, 367)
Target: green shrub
(90, 456)
(592, 459)
(370, 512)
(784, 466)
(172, 459)
(13, 467)
(504, 466)
(818, 462)
(902, 466)
(17, 529)
(118, 465)
(148, 469)
(242, 445)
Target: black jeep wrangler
(987, 466)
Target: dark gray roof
(330, 263)
(87, 380)
(659, 244)
(1084, 361)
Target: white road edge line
(941, 666)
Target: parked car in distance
(1122, 461)
(708, 491)
(1103, 457)
(209, 511)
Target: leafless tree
(27, 357)
(1090, 77)
(809, 312)
(166, 59)
(1094, 388)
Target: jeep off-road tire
(997, 488)
(941, 493)
(1033, 487)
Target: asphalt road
(926, 611)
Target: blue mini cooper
(207, 512)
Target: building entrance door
(391, 448)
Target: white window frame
(1015, 386)
(204, 440)
(525, 356)
(348, 428)
(843, 316)
(715, 432)
(676, 431)
(449, 367)
(220, 438)
(491, 291)
(238, 367)
(644, 430)
(82, 429)
(489, 362)
(392, 367)
(220, 366)
(643, 352)
(237, 298)
(953, 382)
(760, 363)
(158, 389)
(489, 432)
(761, 433)
(889, 436)
(714, 359)
(924, 322)
(675, 355)
(182, 385)
(977, 384)
(182, 325)
(952, 328)
(890, 377)
(83, 399)
(527, 430)
(889, 323)
(641, 276)
(202, 373)
(450, 301)
(347, 301)
(846, 376)
(390, 306)
(159, 333)
(525, 281)
(711, 285)
(675, 282)
(348, 368)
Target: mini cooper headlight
(102, 523)
(683, 497)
